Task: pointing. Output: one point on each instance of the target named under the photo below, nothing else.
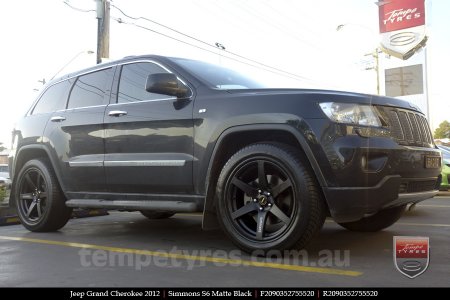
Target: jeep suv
(165, 135)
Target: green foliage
(443, 131)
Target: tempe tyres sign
(402, 26)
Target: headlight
(351, 113)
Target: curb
(9, 220)
(76, 214)
(86, 213)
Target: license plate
(432, 162)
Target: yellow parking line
(423, 224)
(191, 257)
(409, 224)
(433, 205)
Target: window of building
(404, 81)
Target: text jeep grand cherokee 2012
(165, 135)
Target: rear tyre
(268, 199)
(39, 200)
(151, 214)
(376, 222)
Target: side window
(132, 82)
(89, 89)
(53, 99)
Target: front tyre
(268, 199)
(376, 222)
(39, 200)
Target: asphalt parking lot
(128, 250)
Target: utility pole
(103, 8)
(375, 55)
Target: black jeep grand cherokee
(165, 135)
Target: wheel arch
(27, 153)
(235, 138)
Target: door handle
(57, 119)
(117, 113)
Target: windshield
(218, 77)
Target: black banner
(241, 293)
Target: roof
(107, 64)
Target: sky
(47, 38)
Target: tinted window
(132, 82)
(89, 89)
(404, 81)
(54, 98)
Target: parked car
(445, 185)
(164, 135)
(4, 175)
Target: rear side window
(89, 89)
(132, 82)
(53, 99)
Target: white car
(4, 175)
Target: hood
(329, 96)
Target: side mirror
(166, 84)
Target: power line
(209, 45)
(283, 73)
(265, 67)
(76, 8)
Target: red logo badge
(411, 255)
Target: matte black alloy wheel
(39, 200)
(33, 196)
(268, 199)
(263, 203)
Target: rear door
(76, 133)
(149, 137)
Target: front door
(149, 137)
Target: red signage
(401, 14)
(411, 248)
(411, 255)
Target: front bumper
(353, 203)
(371, 174)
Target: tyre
(376, 222)
(268, 199)
(39, 200)
(151, 214)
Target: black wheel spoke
(26, 196)
(38, 182)
(29, 181)
(30, 208)
(277, 212)
(262, 178)
(39, 209)
(249, 207)
(43, 195)
(261, 224)
(281, 188)
(248, 189)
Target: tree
(443, 131)
(1, 147)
